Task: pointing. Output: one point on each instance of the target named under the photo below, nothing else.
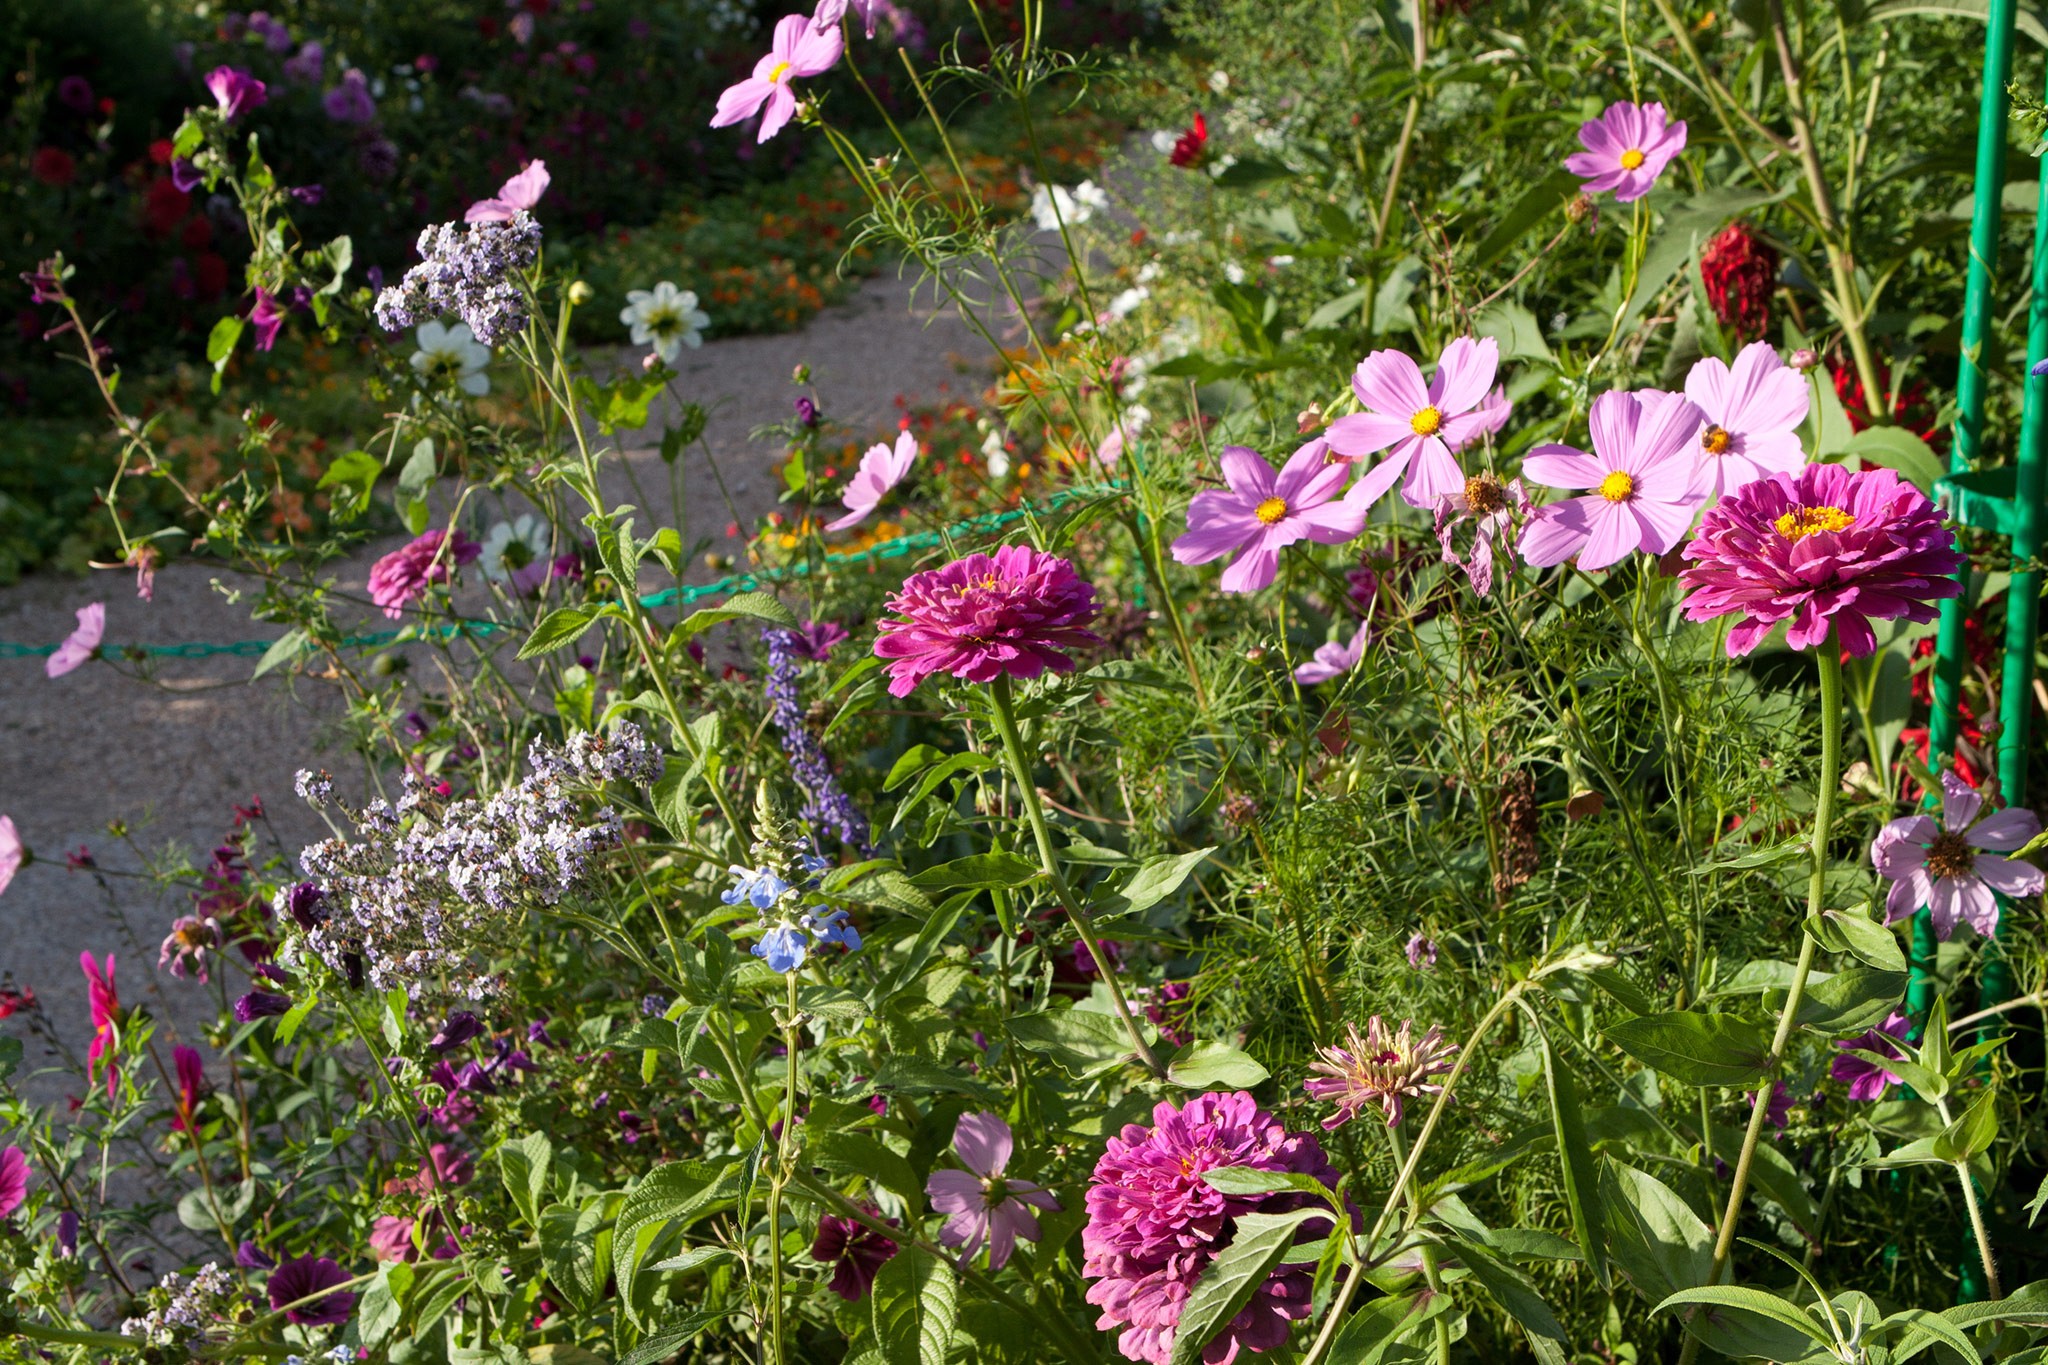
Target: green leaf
(383, 1304)
(1227, 1284)
(282, 650)
(1536, 203)
(1742, 1299)
(220, 346)
(911, 761)
(693, 1259)
(1874, 943)
(2027, 16)
(1081, 1042)
(1697, 1049)
(951, 766)
(1259, 1180)
(1853, 999)
(1899, 449)
(1517, 331)
(912, 964)
(856, 1153)
(1336, 310)
(1250, 171)
(671, 1337)
(1687, 226)
(523, 1164)
(569, 1251)
(1575, 1152)
(562, 626)
(678, 1192)
(913, 1306)
(1973, 1133)
(979, 870)
(758, 606)
(352, 477)
(1206, 1065)
(1925, 1329)
(1155, 880)
(1512, 1290)
(1383, 1323)
(1654, 1238)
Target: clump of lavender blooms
(182, 1309)
(469, 270)
(826, 805)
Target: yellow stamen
(1716, 440)
(1630, 159)
(1428, 422)
(1271, 510)
(1617, 486)
(1813, 520)
(775, 76)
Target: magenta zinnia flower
(1867, 1080)
(522, 191)
(799, 49)
(1753, 412)
(105, 1000)
(1627, 148)
(1828, 546)
(81, 644)
(401, 577)
(1424, 426)
(1014, 612)
(985, 1207)
(304, 1278)
(235, 91)
(881, 469)
(1380, 1066)
(1259, 515)
(1643, 476)
(854, 1251)
(1953, 868)
(1154, 1224)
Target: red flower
(160, 151)
(54, 166)
(106, 1008)
(1740, 270)
(191, 1086)
(1911, 409)
(212, 274)
(1189, 148)
(164, 206)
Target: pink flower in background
(1421, 427)
(1867, 1081)
(146, 559)
(814, 639)
(1953, 867)
(1259, 514)
(13, 853)
(1333, 660)
(1828, 547)
(13, 1180)
(881, 469)
(105, 1000)
(391, 1238)
(267, 317)
(350, 102)
(186, 946)
(799, 50)
(984, 1206)
(1753, 412)
(81, 643)
(1421, 952)
(1494, 411)
(1642, 475)
(235, 91)
(830, 12)
(1015, 612)
(191, 1087)
(1627, 148)
(1381, 1066)
(521, 192)
(401, 577)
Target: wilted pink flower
(521, 192)
(235, 91)
(146, 559)
(267, 317)
(881, 469)
(13, 853)
(830, 12)
(1953, 868)
(854, 1251)
(401, 577)
(1643, 475)
(1333, 660)
(186, 946)
(391, 1238)
(1491, 506)
(105, 1000)
(984, 1206)
(1753, 412)
(191, 1073)
(1421, 427)
(1422, 952)
(81, 643)
(13, 1180)
(799, 50)
(1015, 612)
(1866, 1079)
(1259, 515)
(1827, 547)
(1381, 1067)
(1627, 148)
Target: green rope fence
(983, 524)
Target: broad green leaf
(911, 761)
(1874, 943)
(1516, 330)
(979, 869)
(1081, 1042)
(1697, 1049)
(1207, 1065)
(1512, 1290)
(1261, 1244)
(1924, 1329)
(1899, 449)
(694, 1259)
(383, 1303)
(524, 1164)
(1853, 999)
(1383, 1323)
(1654, 1238)
(352, 477)
(562, 626)
(1575, 1153)
(912, 964)
(678, 1192)
(1155, 880)
(1972, 1133)
(1258, 1180)
(913, 1305)
(856, 1153)
(569, 1250)
(285, 648)
(758, 606)
(667, 1341)
(1737, 1298)
(1536, 203)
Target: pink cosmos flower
(13, 1180)
(1643, 476)
(13, 853)
(984, 1206)
(267, 317)
(1867, 1081)
(1015, 612)
(81, 643)
(1333, 660)
(1826, 547)
(105, 1000)
(1259, 515)
(521, 192)
(1953, 868)
(1491, 506)
(881, 469)
(1753, 411)
(1380, 1066)
(799, 50)
(1627, 148)
(191, 1087)
(1424, 426)
(401, 577)
(186, 946)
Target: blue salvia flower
(782, 948)
(757, 886)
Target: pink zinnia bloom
(401, 577)
(1380, 1066)
(522, 191)
(81, 643)
(105, 1000)
(881, 469)
(1423, 425)
(1753, 412)
(1867, 1081)
(186, 946)
(1643, 476)
(13, 1180)
(191, 1087)
(1259, 515)
(13, 852)
(1828, 546)
(854, 1251)
(1154, 1224)
(1627, 148)
(267, 317)
(235, 91)
(1015, 612)
(1333, 660)
(1953, 868)
(984, 1206)
(1491, 506)
(800, 49)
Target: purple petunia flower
(75, 94)
(814, 639)
(984, 1206)
(1953, 868)
(1753, 412)
(461, 1027)
(881, 469)
(304, 1278)
(799, 50)
(235, 92)
(1642, 474)
(249, 1256)
(1421, 427)
(1627, 148)
(1867, 1080)
(854, 1251)
(261, 1005)
(81, 644)
(1827, 547)
(401, 577)
(186, 175)
(1015, 612)
(1261, 514)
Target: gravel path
(174, 754)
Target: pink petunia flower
(1259, 515)
(1953, 868)
(13, 1180)
(1753, 411)
(191, 1088)
(1627, 148)
(81, 644)
(984, 1206)
(402, 577)
(186, 946)
(267, 317)
(1491, 506)
(881, 469)
(1421, 427)
(1867, 1081)
(1333, 660)
(521, 192)
(297, 1287)
(799, 50)
(1013, 613)
(105, 1000)
(13, 852)
(1643, 476)
(235, 91)
(1827, 547)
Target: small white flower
(514, 550)
(1233, 272)
(452, 353)
(666, 318)
(1126, 303)
(1163, 140)
(1219, 80)
(997, 457)
(1052, 205)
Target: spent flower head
(1382, 1066)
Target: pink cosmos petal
(1465, 428)
(1963, 900)
(1390, 383)
(1765, 393)
(1562, 467)
(2003, 831)
(1555, 533)
(1254, 569)
(1668, 427)
(953, 1191)
(1367, 433)
(1309, 476)
(1611, 533)
(1612, 425)
(1247, 472)
(1959, 802)
(781, 108)
(1902, 845)
(1334, 522)
(1464, 373)
(2009, 877)
(1663, 524)
(522, 191)
(967, 1229)
(1204, 543)
(740, 100)
(881, 469)
(79, 645)
(1332, 660)
(982, 1142)
(1908, 894)
(1433, 474)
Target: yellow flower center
(1716, 440)
(1630, 159)
(1428, 422)
(1271, 510)
(775, 77)
(1617, 486)
(1812, 520)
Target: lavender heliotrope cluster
(182, 1309)
(826, 805)
(469, 270)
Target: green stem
(1969, 1184)
(1430, 1274)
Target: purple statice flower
(1491, 506)
(1015, 612)
(1953, 868)
(304, 1278)
(799, 50)
(1828, 547)
(401, 578)
(1753, 412)
(854, 1251)
(473, 272)
(261, 1005)
(654, 1004)
(1333, 660)
(1867, 1081)
(1627, 148)
(984, 1206)
(620, 754)
(1260, 513)
(1382, 1066)
(307, 65)
(1422, 952)
(1642, 481)
(350, 102)
(235, 92)
(826, 804)
(185, 1308)
(1421, 427)
(1154, 1224)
